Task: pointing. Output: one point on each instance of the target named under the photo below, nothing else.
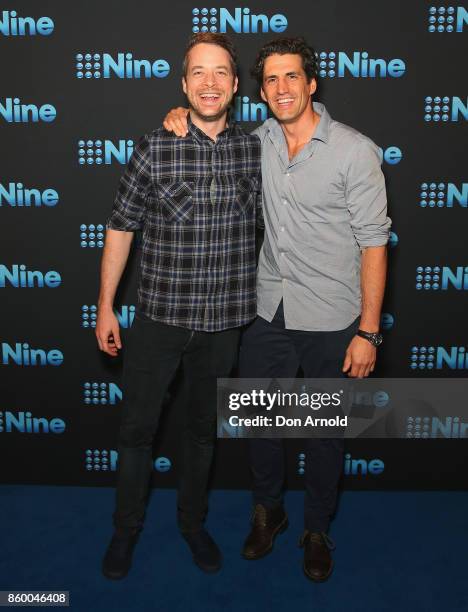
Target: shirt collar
(322, 131)
(200, 136)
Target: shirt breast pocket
(177, 201)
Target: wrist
(105, 306)
(375, 338)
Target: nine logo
(23, 355)
(91, 236)
(104, 151)
(12, 25)
(97, 65)
(13, 111)
(101, 393)
(238, 20)
(359, 65)
(24, 422)
(352, 467)
(106, 461)
(20, 276)
(441, 195)
(447, 19)
(245, 110)
(437, 277)
(436, 358)
(125, 316)
(431, 427)
(16, 195)
(390, 155)
(445, 109)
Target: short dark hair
(281, 46)
(210, 38)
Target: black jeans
(154, 352)
(269, 350)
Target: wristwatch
(374, 338)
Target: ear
(312, 86)
(236, 83)
(262, 94)
(184, 85)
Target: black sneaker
(118, 558)
(205, 552)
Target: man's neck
(302, 129)
(210, 128)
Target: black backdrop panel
(59, 397)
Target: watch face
(378, 339)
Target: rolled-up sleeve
(366, 196)
(128, 211)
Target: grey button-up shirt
(320, 208)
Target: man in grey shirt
(321, 279)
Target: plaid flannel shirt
(197, 203)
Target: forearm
(373, 276)
(114, 260)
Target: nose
(282, 85)
(210, 79)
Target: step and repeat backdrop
(81, 82)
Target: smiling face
(209, 83)
(285, 88)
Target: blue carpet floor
(396, 551)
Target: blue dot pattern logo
(95, 393)
(91, 236)
(97, 460)
(88, 316)
(441, 19)
(418, 427)
(326, 64)
(422, 358)
(90, 152)
(88, 65)
(432, 195)
(428, 278)
(204, 20)
(436, 109)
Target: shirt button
(282, 228)
(285, 202)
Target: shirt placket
(211, 232)
(283, 233)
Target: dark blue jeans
(153, 353)
(268, 350)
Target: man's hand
(176, 121)
(108, 332)
(360, 358)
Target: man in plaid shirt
(196, 201)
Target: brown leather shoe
(266, 525)
(318, 564)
